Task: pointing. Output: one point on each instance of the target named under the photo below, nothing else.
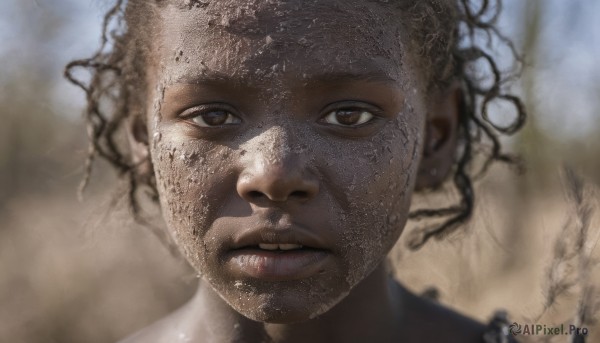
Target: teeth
(267, 246)
(289, 246)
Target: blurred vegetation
(69, 272)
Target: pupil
(215, 118)
(347, 117)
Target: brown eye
(211, 118)
(348, 117)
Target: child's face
(280, 123)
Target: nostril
(259, 196)
(255, 194)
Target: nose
(278, 183)
(274, 173)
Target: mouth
(277, 255)
(275, 246)
(277, 262)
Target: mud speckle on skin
(195, 4)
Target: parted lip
(251, 237)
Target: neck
(371, 312)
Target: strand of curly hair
(475, 121)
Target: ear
(137, 135)
(441, 132)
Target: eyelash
(352, 106)
(199, 112)
(361, 120)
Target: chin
(287, 308)
(266, 314)
(281, 314)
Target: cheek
(188, 176)
(378, 193)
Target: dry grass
(71, 273)
(539, 271)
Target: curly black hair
(452, 37)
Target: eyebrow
(219, 78)
(212, 77)
(350, 76)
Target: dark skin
(272, 124)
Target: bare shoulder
(431, 322)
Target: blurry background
(75, 271)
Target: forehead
(252, 39)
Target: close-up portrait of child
(311, 172)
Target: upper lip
(288, 234)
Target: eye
(210, 117)
(348, 117)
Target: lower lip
(277, 265)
